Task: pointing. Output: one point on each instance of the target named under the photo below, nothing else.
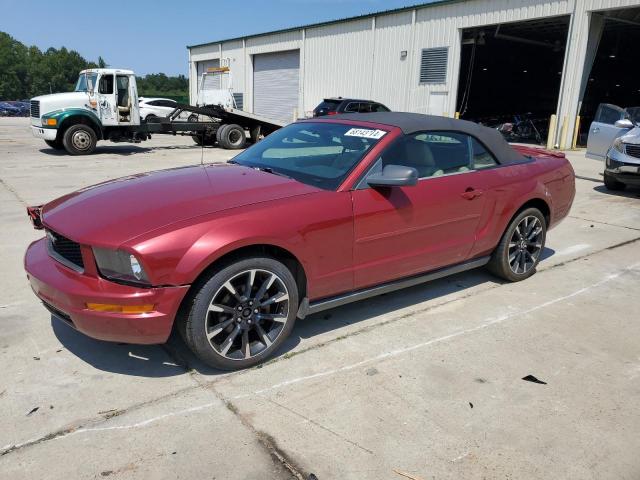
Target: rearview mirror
(624, 123)
(394, 176)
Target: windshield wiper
(272, 171)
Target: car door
(602, 131)
(401, 231)
(106, 99)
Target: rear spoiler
(35, 215)
(532, 151)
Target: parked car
(334, 106)
(160, 107)
(318, 214)
(614, 136)
(9, 110)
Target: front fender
(65, 116)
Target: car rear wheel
(242, 313)
(55, 144)
(518, 253)
(612, 184)
(79, 139)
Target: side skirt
(307, 308)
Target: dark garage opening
(614, 75)
(510, 76)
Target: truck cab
(103, 105)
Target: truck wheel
(241, 314)
(220, 135)
(55, 144)
(612, 184)
(233, 137)
(79, 139)
(518, 253)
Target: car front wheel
(241, 314)
(518, 253)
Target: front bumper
(66, 292)
(623, 168)
(44, 133)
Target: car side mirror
(624, 123)
(394, 176)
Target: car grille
(64, 250)
(632, 150)
(57, 313)
(35, 108)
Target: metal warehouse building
(479, 59)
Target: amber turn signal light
(52, 122)
(108, 307)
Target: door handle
(471, 193)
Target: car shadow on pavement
(175, 358)
(134, 360)
(629, 192)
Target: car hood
(110, 213)
(632, 136)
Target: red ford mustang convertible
(318, 214)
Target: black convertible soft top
(417, 122)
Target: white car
(161, 107)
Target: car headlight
(120, 266)
(618, 145)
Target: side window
(608, 113)
(482, 158)
(106, 85)
(365, 108)
(352, 107)
(166, 103)
(433, 154)
(379, 108)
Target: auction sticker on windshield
(365, 133)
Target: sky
(151, 36)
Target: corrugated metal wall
(362, 58)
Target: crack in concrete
(604, 223)
(13, 192)
(92, 423)
(280, 459)
(319, 425)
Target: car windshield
(318, 154)
(633, 113)
(328, 105)
(86, 82)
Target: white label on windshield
(365, 133)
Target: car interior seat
(124, 100)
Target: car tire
(55, 144)
(233, 137)
(149, 118)
(518, 253)
(79, 139)
(199, 139)
(612, 184)
(219, 322)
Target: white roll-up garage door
(275, 84)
